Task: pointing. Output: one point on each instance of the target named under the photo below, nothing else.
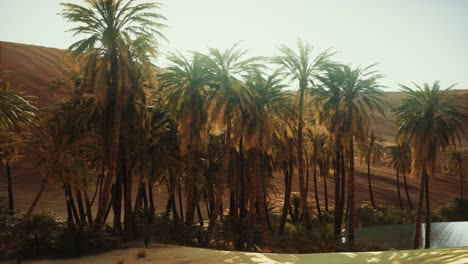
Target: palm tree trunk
(317, 203)
(351, 218)
(461, 185)
(11, 206)
(325, 190)
(417, 228)
(117, 203)
(300, 156)
(398, 188)
(307, 172)
(150, 196)
(286, 202)
(288, 173)
(406, 189)
(81, 210)
(343, 185)
(89, 214)
(115, 140)
(242, 200)
(427, 242)
(190, 190)
(224, 176)
(370, 184)
(128, 211)
(181, 208)
(337, 171)
(251, 217)
(69, 211)
(200, 217)
(72, 204)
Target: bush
(81, 240)
(40, 235)
(166, 230)
(297, 239)
(455, 210)
(367, 216)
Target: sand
(159, 253)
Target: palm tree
(16, 110)
(349, 97)
(57, 142)
(16, 113)
(267, 124)
(110, 26)
(374, 152)
(303, 68)
(400, 159)
(457, 161)
(186, 84)
(431, 119)
(227, 66)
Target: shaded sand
(175, 254)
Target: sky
(412, 41)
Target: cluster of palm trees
(215, 125)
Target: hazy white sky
(418, 40)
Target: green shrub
(367, 216)
(40, 235)
(455, 210)
(81, 240)
(166, 230)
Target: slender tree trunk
(95, 191)
(343, 186)
(144, 196)
(300, 156)
(11, 205)
(325, 189)
(69, 211)
(114, 145)
(286, 202)
(419, 214)
(150, 196)
(242, 200)
(317, 202)
(200, 217)
(89, 214)
(370, 184)
(190, 190)
(181, 208)
(337, 171)
(352, 201)
(427, 242)
(288, 173)
(307, 173)
(102, 183)
(117, 203)
(224, 176)
(72, 204)
(81, 210)
(251, 219)
(398, 188)
(128, 211)
(461, 185)
(406, 189)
